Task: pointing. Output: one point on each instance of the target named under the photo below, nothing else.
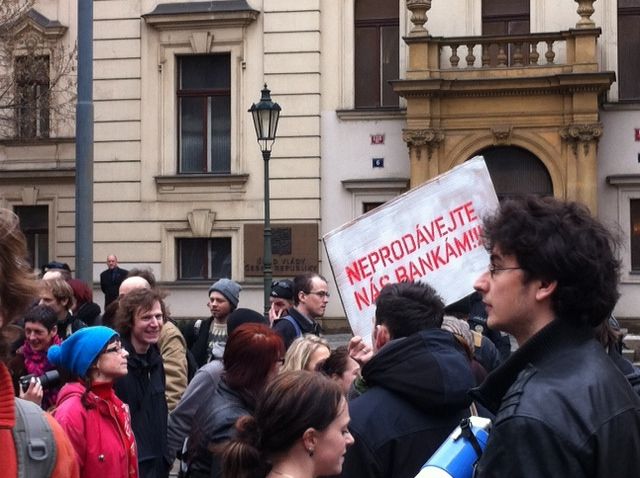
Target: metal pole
(84, 144)
(266, 260)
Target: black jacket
(563, 409)
(288, 331)
(143, 390)
(214, 423)
(418, 393)
(69, 325)
(200, 342)
(110, 283)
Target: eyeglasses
(116, 349)
(281, 283)
(280, 361)
(320, 293)
(493, 269)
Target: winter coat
(562, 409)
(65, 465)
(173, 349)
(417, 394)
(143, 389)
(288, 331)
(204, 384)
(94, 432)
(214, 423)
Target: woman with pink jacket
(95, 419)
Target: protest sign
(431, 233)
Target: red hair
(249, 356)
(81, 291)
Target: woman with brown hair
(18, 290)
(299, 430)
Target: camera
(458, 455)
(47, 379)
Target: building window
(32, 96)
(628, 47)
(377, 47)
(204, 114)
(34, 222)
(634, 206)
(506, 17)
(370, 206)
(208, 259)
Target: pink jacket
(95, 434)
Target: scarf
(36, 363)
(120, 411)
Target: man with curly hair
(562, 408)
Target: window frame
(378, 24)
(633, 11)
(209, 243)
(206, 161)
(32, 117)
(628, 188)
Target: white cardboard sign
(431, 233)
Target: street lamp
(265, 119)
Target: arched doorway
(516, 171)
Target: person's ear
(381, 336)
(54, 330)
(310, 439)
(546, 289)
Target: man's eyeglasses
(280, 361)
(493, 269)
(320, 293)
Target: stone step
(632, 342)
(629, 354)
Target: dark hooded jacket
(417, 394)
(143, 389)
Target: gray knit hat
(230, 289)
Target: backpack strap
(295, 324)
(35, 444)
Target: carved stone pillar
(585, 10)
(423, 143)
(583, 142)
(418, 9)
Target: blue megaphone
(457, 456)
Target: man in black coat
(417, 386)
(562, 408)
(111, 279)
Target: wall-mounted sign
(377, 139)
(637, 134)
(294, 249)
(377, 162)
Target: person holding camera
(17, 290)
(95, 419)
(30, 364)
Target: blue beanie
(230, 289)
(81, 349)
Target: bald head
(133, 283)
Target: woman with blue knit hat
(95, 419)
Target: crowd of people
(131, 392)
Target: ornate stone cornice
(581, 133)
(417, 138)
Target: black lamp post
(265, 119)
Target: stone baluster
(455, 59)
(518, 57)
(486, 58)
(502, 55)
(550, 54)
(470, 58)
